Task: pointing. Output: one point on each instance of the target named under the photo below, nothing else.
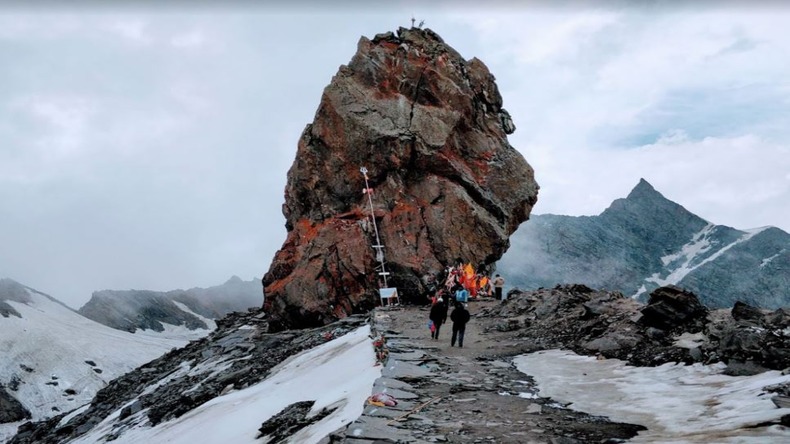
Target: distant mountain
(132, 310)
(645, 241)
(52, 359)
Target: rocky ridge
(645, 241)
(240, 353)
(430, 128)
(673, 327)
(132, 310)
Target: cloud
(695, 101)
(133, 30)
(149, 149)
(191, 39)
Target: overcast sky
(148, 148)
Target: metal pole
(379, 248)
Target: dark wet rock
(14, 383)
(130, 410)
(290, 420)
(430, 128)
(745, 312)
(7, 310)
(671, 307)
(747, 347)
(779, 318)
(11, 410)
(736, 367)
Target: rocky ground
(442, 393)
(465, 395)
(475, 394)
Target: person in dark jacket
(460, 317)
(438, 316)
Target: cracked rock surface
(430, 128)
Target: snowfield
(677, 403)
(58, 358)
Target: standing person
(462, 295)
(460, 317)
(438, 316)
(499, 282)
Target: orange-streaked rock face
(430, 128)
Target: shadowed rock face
(430, 128)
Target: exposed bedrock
(430, 128)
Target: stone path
(464, 395)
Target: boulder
(446, 185)
(745, 312)
(670, 307)
(779, 318)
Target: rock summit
(447, 186)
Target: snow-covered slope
(322, 374)
(53, 359)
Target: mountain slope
(219, 389)
(645, 241)
(133, 310)
(52, 359)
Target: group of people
(461, 283)
(438, 316)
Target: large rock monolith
(430, 128)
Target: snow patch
(8, 430)
(691, 252)
(768, 260)
(699, 244)
(689, 340)
(677, 403)
(181, 332)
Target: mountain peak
(644, 190)
(233, 280)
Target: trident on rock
(378, 247)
